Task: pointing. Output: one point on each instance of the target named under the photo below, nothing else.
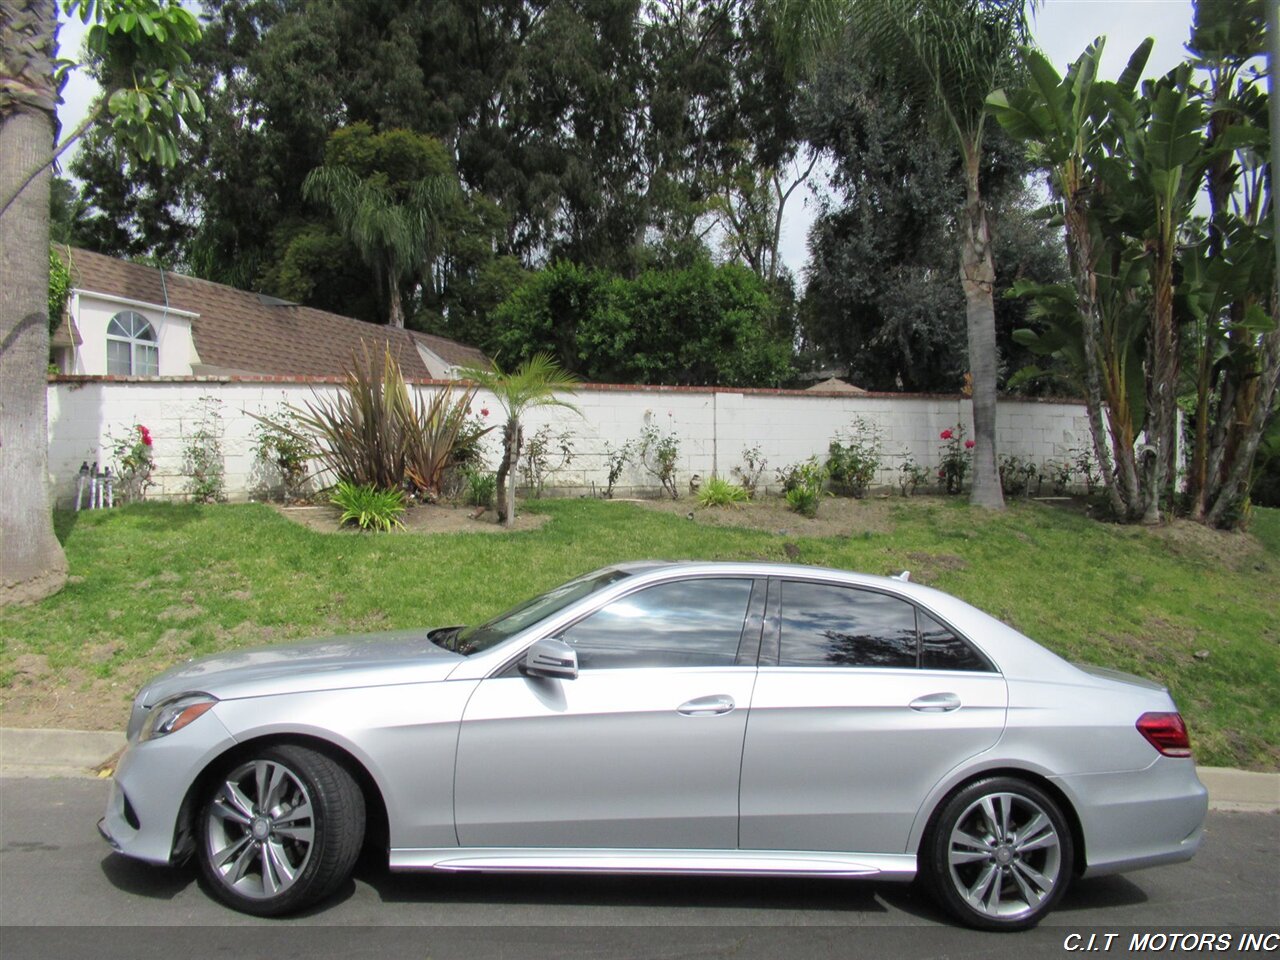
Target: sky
(1062, 28)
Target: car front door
(864, 702)
(643, 749)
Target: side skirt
(731, 863)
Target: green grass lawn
(157, 583)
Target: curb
(82, 753)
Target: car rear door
(643, 749)
(862, 704)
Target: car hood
(365, 660)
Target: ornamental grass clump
(377, 433)
(368, 507)
(718, 492)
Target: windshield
(469, 640)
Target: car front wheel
(280, 830)
(999, 855)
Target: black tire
(293, 850)
(998, 855)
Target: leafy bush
(544, 447)
(1017, 476)
(377, 434)
(955, 459)
(134, 464)
(202, 455)
(280, 455)
(911, 474)
(802, 485)
(854, 460)
(368, 507)
(616, 459)
(753, 464)
(718, 492)
(481, 487)
(658, 453)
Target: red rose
(942, 474)
(945, 435)
(969, 444)
(146, 439)
(484, 411)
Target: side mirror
(551, 658)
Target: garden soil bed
(431, 518)
(837, 516)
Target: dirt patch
(430, 518)
(837, 516)
(71, 699)
(1219, 548)
(926, 567)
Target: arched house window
(131, 346)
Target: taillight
(1166, 732)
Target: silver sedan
(714, 718)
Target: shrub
(280, 455)
(202, 455)
(544, 447)
(377, 434)
(955, 459)
(853, 460)
(718, 492)
(481, 487)
(658, 453)
(1086, 468)
(802, 485)
(368, 507)
(134, 463)
(1016, 475)
(616, 459)
(911, 474)
(753, 464)
(1059, 474)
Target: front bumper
(151, 784)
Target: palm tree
(395, 239)
(949, 54)
(532, 384)
(34, 565)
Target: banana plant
(1067, 123)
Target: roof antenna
(904, 576)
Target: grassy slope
(157, 583)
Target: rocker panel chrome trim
(779, 863)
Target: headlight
(173, 715)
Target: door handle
(936, 703)
(707, 706)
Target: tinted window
(471, 640)
(691, 623)
(940, 649)
(825, 625)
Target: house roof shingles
(242, 332)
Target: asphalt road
(60, 886)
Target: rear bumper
(1139, 819)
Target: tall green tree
(389, 193)
(949, 55)
(141, 45)
(533, 383)
(1163, 311)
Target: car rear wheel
(999, 855)
(280, 830)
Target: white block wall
(714, 427)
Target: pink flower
(969, 444)
(146, 439)
(945, 435)
(484, 411)
(942, 474)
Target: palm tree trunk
(512, 436)
(33, 564)
(978, 277)
(395, 306)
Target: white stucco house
(130, 320)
